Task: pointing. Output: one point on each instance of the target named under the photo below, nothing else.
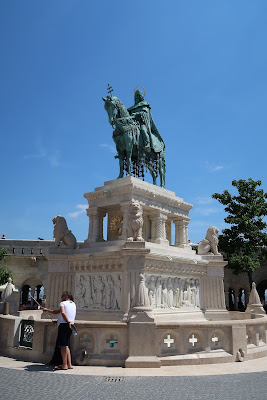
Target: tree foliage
(5, 272)
(245, 240)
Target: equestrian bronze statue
(139, 144)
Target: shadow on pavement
(39, 367)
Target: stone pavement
(24, 380)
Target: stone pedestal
(142, 341)
(212, 289)
(158, 205)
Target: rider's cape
(143, 107)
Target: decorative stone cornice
(134, 188)
(181, 268)
(98, 265)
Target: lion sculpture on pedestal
(135, 222)
(62, 233)
(210, 243)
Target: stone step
(213, 357)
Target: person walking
(65, 323)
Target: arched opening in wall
(38, 295)
(262, 290)
(231, 299)
(172, 234)
(105, 227)
(24, 297)
(241, 300)
(32, 293)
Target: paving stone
(33, 384)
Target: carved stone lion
(210, 243)
(62, 233)
(135, 222)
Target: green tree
(245, 240)
(5, 272)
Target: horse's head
(111, 108)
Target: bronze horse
(128, 140)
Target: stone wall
(102, 343)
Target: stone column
(124, 209)
(212, 289)
(158, 229)
(181, 232)
(247, 292)
(146, 226)
(168, 226)
(96, 216)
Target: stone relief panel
(172, 292)
(99, 291)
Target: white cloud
(41, 153)
(217, 168)
(213, 167)
(207, 211)
(54, 159)
(109, 147)
(204, 200)
(81, 208)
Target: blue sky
(203, 65)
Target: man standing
(65, 323)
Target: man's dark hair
(69, 295)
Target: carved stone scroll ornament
(62, 233)
(210, 243)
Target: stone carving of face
(135, 206)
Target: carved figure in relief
(80, 292)
(62, 233)
(210, 243)
(117, 292)
(151, 298)
(135, 222)
(186, 293)
(193, 290)
(109, 292)
(88, 293)
(176, 292)
(164, 298)
(98, 291)
(170, 292)
(152, 290)
(197, 292)
(158, 293)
